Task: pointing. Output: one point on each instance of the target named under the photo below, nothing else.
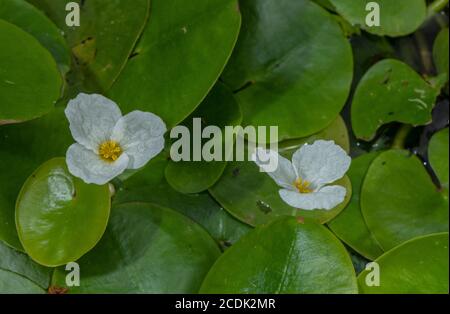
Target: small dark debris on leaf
(236, 172)
(57, 290)
(265, 208)
(301, 220)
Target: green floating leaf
(59, 217)
(201, 208)
(441, 52)
(19, 263)
(397, 18)
(30, 83)
(146, 249)
(104, 40)
(24, 147)
(349, 225)
(419, 266)
(253, 197)
(399, 200)
(439, 156)
(179, 57)
(33, 21)
(218, 109)
(292, 66)
(285, 256)
(391, 91)
(12, 283)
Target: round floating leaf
(292, 66)
(146, 249)
(24, 147)
(31, 20)
(201, 208)
(253, 197)
(441, 51)
(419, 266)
(179, 57)
(285, 256)
(399, 201)
(12, 283)
(439, 156)
(30, 82)
(218, 109)
(397, 18)
(391, 91)
(349, 225)
(59, 217)
(19, 263)
(104, 40)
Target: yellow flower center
(303, 186)
(110, 151)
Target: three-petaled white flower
(304, 181)
(107, 142)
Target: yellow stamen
(303, 186)
(109, 151)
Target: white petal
(88, 166)
(326, 198)
(321, 163)
(283, 172)
(141, 135)
(92, 119)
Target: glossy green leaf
(33, 21)
(201, 208)
(12, 283)
(104, 40)
(391, 91)
(439, 156)
(292, 66)
(60, 218)
(253, 197)
(285, 256)
(350, 225)
(419, 266)
(179, 57)
(30, 83)
(24, 147)
(19, 263)
(218, 109)
(397, 18)
(146, 249)
(399, 200)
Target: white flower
(107, 142)
(304, 181)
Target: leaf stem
(437, 6)
(400, 137)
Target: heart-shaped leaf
(201, 208)
(349, 225)
(439, 156)
(33, 21)
(419, 266)
(292, 66)
(218, 109)
(253, 197)
(285, 256)
(104, 40)
(396, 18)
(59, 217)
(399, 200)
(30, 83)
(146, 249)
(14, 283)
(19, 263)
(181, 54)
(24, 147)
(391, 91)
